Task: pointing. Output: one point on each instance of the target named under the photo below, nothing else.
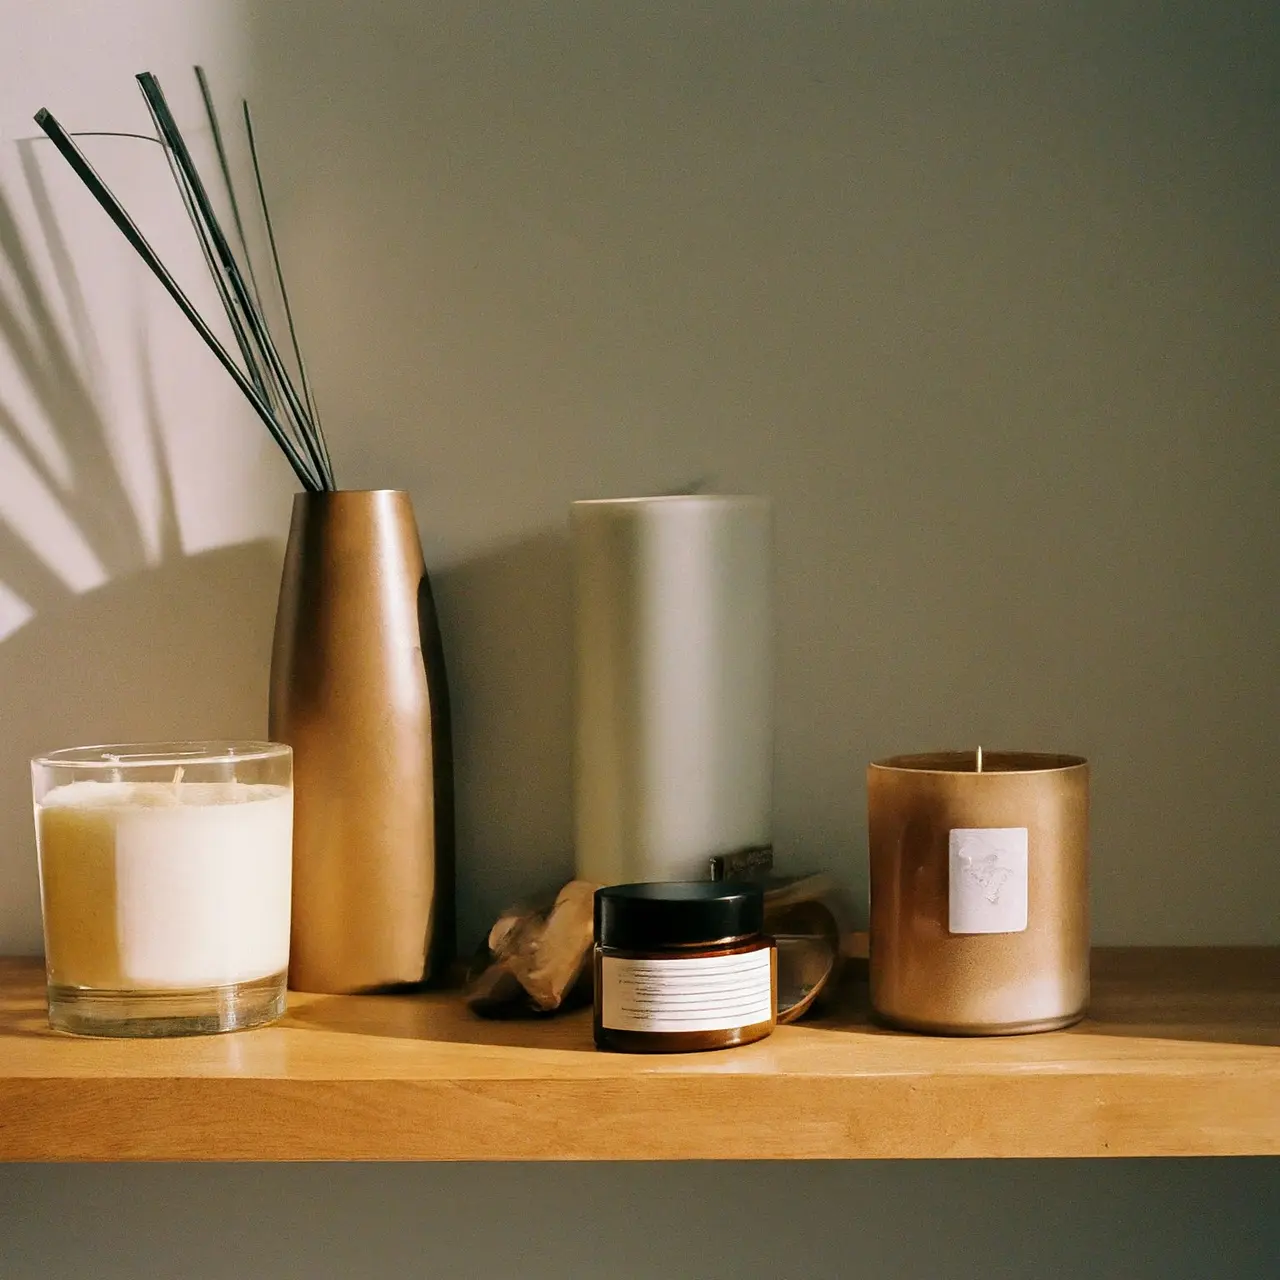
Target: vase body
(673, 622)
(358, 690)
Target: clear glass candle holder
(165, 875)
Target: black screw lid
(648, 917)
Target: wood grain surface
(1180, 1056)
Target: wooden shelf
(1181, 1056)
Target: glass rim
(148, 755)
(996, 764)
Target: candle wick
(177, 778)
(979, 770)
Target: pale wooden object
(1180, 1056)
(536, 955)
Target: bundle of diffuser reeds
(261, 373)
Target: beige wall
(984, 294)
(138, 498)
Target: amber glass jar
(682, 967)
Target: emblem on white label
(988, 889)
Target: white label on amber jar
(710, 993)
(988, 890)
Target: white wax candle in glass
(165, 874)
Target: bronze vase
(358, 690)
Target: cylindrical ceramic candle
(673, 683)
(979, 891)
(165, 875)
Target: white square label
(988, 889)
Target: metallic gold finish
(924, 977)
(353, 696)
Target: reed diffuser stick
(284, 292)
(215, 128)
(235, 303)
(224, 258)
(262, 373)
(129, 229)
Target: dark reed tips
(262, 375)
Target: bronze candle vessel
(358, 690)
(979, 891)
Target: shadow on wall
(164, 647)
(167, 652)
(60, 369)
(511, 689)
(142, 643)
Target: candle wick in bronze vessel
(979, 767)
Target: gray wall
(1171, 1220)
(984, 294)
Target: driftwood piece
(536, 959)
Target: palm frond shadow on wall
(167, 645)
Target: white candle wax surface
(165, 886)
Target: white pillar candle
(673, 683)
(165, 886)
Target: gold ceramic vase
(358, 690)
